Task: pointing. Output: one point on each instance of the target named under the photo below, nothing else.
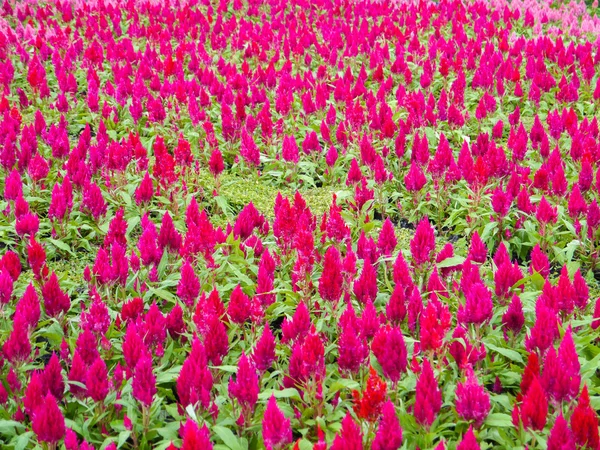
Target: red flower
(584, 422)
(369, 406)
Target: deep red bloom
(369, 405)
(534, 410)
(584, 422)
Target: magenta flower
(276, 429)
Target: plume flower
(144, 381)
(276, 429)
(369, 405)
(349, 437)
(422, 244)
(472, 401)
(428, 397)
(389, 433)
(48, 422)
(584, 422)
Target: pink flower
(330, 283)
(244, 386)
(428, 398)
(55, 300)
(195, 438)
(349, 437)
(144, 381)
(48, 422)
(276, 429)
(561, 437)
(188, 288)
(422, 244)
(389, 433)
(264, 351)
(469, 442)
(96, 380)
(472, 401)
(390, 350)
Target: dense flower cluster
(411, 257)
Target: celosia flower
(390, 350)
(513, 319)
(276, 429)
(561, 437)
(96, 380)
(144, 381)
(469, 441)
(472, 401)
(584, 422)
(238, 308)
(534, 410)
(369, 405)
(195, 380)
(428, 397)
(195, 438)
(389, 433)
(48, 422)
(349, 437)
(264, 351)
(330, 283)
(244, 386)
(352, 349)
(422, 244)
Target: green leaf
(61, 245)
(227, 436)
(451, 262)
(283, 393)
(510, 354)
(499, 420)
(22, 441)
(123, 436)
(7, 427)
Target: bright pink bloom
(428, 398)
(469, 441)
(422, 244)
(48, 422)
(472, 401)
(389, 433)
(349, 437)
(276, 429)
(144, 381)
(96, 380)
(561, 437)
(244, 386)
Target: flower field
(292, 224)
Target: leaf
(283, 393)
(499, 420)
(510, 354)
(162, 265)
(227, 436)
(123, 436)
(61, 245)
(22, 441)
(7, 427)
(451, 262)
